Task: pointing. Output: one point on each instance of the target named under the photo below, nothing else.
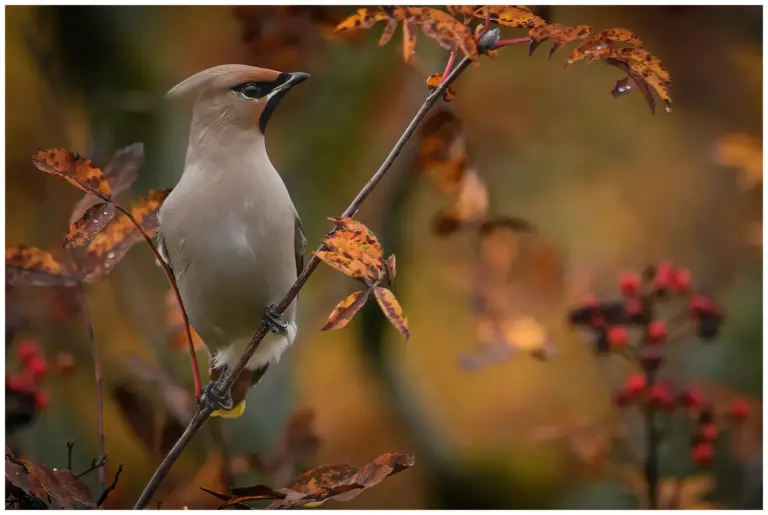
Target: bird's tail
(246, 380)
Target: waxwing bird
(229, 230)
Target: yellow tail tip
(235, 412)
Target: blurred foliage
(607, 186)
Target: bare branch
(203, 413)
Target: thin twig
(203, 412)
(172, 281)
(99, 378)
(515, 41)
(70, 448)
(110, 488)
(95, 464)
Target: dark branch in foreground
(111, 487)
(203, 413)
(94, 465)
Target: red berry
(27, 350)
(636, 383)
(703, 453)
(65, 362)
(681, 280)
(38, 367)
(42, 399)
(708, 432)
(663, 279)
(739, 410)
(659, 395)
(657, 331)
(20, 383)
(691, 397)
(633, 306)
(618, 336)
(702, 304)
(630, 284)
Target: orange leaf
(410, 30)
(362, 19)
(35, 267)
(353, 249)
(466, 11)
(314, 487)
(434, 80)
(561, 35)
(114, 242)
(442, 150)
(346, 309)
(120, 173)
(446, 30)
(92, 222)
(389, 31)
(391, 308)
(391, 268)
(600, 44)
(75, 169)
(511, 16)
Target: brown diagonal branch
(203, 413)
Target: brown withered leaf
(353, 249)
(469, 207)
(113, 243)
(410, 31)
(446, 30)
(511, 16)
(75, 169)
(345, 310)
(632, 81)
(466, 11)
(121, 171)
(645, 70)
(599, 45)
(58, 489)
(363, 19)
(560, 34)
(391, 267)
(93, 221)
(31, 266)
(314, 487)
(389, 31)
(442, 151)
(392, 309)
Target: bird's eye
(251, 90)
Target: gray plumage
(229, 229)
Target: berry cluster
(34, 370)
(610, 322)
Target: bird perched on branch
(229, 230)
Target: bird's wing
(161, 248)
(300, 245)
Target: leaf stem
(449, 65)
(172, 281)
(99, 378)
(203, 412)
(515, 41)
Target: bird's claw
(215, 399)
(274, 321)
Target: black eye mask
(255, 90)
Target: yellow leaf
(391, 308)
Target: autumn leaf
(346, 309)
(435, 80)
(93, 221)
(511, 16)
(560, 34)
(391, 308)
(114, 242)
(595, 46)
(26, 265)
(316, 486)
(468, 207)
(466, 11)
(362, 19)
(75, 169)
(391, 268)
(743, 153)
(353, 249)
(442, 151)
(410, 31)
(57, 489)
(121, 171)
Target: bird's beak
(289, 81)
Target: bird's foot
(215, 399)
(274, 321)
